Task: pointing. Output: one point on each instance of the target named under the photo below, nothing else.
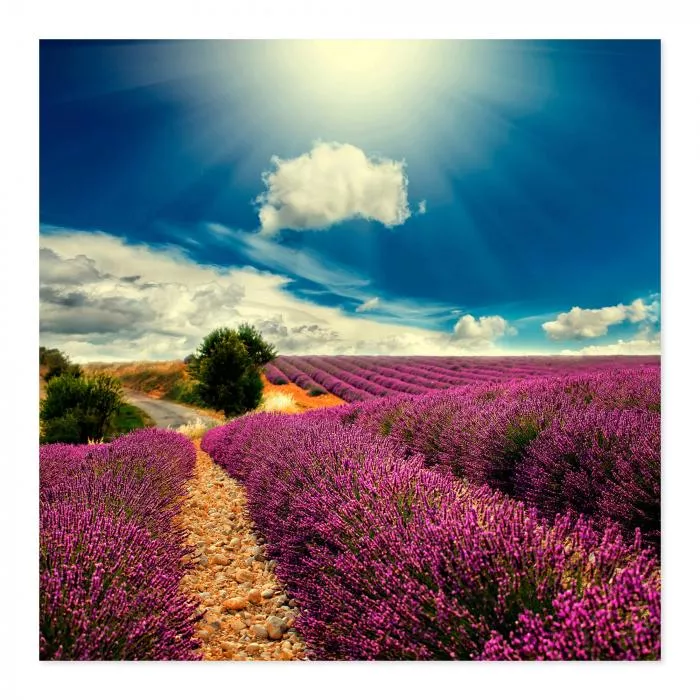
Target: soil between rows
(247, 614)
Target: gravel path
(247, 614)
(166, 414)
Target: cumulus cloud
(102, 299)
(422, 207)
(331, 183)
(481, 333)
(368, 305)
(593, 323)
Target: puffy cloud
(331, 183)
(593, 323)
(368, 305)
(422, 207)
(481, 333)
(57, 270)
(135, 302)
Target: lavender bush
(109, 590)
(588, 442)
(110, 555)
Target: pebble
(205, 633)
(238, 625)
(260, 632)
(267, 594)
(254, 596)
(220, 559)
(275, 627)
(235, 604)
(243, 575)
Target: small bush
(57, 363)
(77, 409)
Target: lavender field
(501, 509)
(509, 519)
(359, 378)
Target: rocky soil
(247, 614)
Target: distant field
(361, 378)
(160, 380)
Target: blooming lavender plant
(109, 590)
(110, 557)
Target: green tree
(259, 351)
(78, 409)
(227, 373)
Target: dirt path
(166, 414)
(247, 614)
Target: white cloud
(422, 207)
(636, 346)
(332, 183)
(481, 333)
(103, 299)
(593, 323)
(368, 305)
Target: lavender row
(111, 555)
(274, 374)
(363, 378)
(391, 560)
(590, 443)
(348, 392)
(396, 381)
(298, 377)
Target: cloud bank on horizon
(104, 299)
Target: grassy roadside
(159, 380)
(129, 418)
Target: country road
(166, 413)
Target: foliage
(259, 351)
(78, 409)
(128, 418)
(227, 367)
(57, 363)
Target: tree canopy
(226, 367)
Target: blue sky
(451, 197)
